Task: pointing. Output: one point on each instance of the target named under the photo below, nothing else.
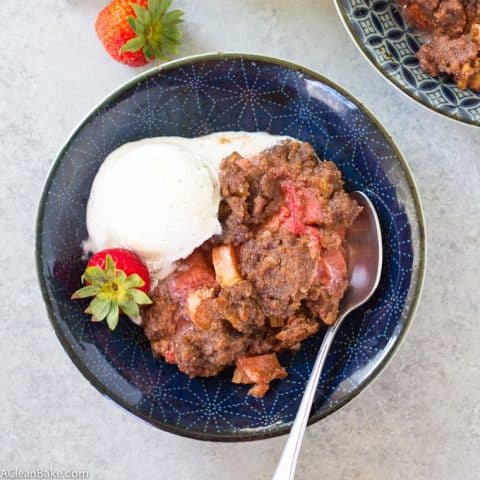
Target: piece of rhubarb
(225, 265)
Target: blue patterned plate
(196, 96)
(382, 35)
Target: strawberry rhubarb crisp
(274, 276)
(452, 32)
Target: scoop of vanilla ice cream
(155, 198)
(159, 197)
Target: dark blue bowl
(195, 96)
(390, 45)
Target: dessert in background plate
(452, 31)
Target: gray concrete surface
(420, 420)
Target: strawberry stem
(113, 293)
(157, 32)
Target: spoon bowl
(365, 257)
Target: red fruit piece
(126, 261)
(260, 371)
(192, 273)
(301, 208)
(418, 17)
(135, 32)
(169, 354)
(295, 219)
(117, 280)
(313, 212)
(332, 268)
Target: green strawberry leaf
(164, 5)
(93, 275)
(133, 45)
(154, 9)
(149, 52)
(134, 281)
(173, 17)
(142, 14)
(139, 297)
(112, 317)
(109, 268)
(174, 35)
(170, 47)
(85, 292)
(130, 308)
(137, 26)
(121, 276)
(160, 54)
(100, 307)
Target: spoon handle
(288, 461)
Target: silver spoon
(364, 245)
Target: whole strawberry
(135, 32)
(117, 280)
